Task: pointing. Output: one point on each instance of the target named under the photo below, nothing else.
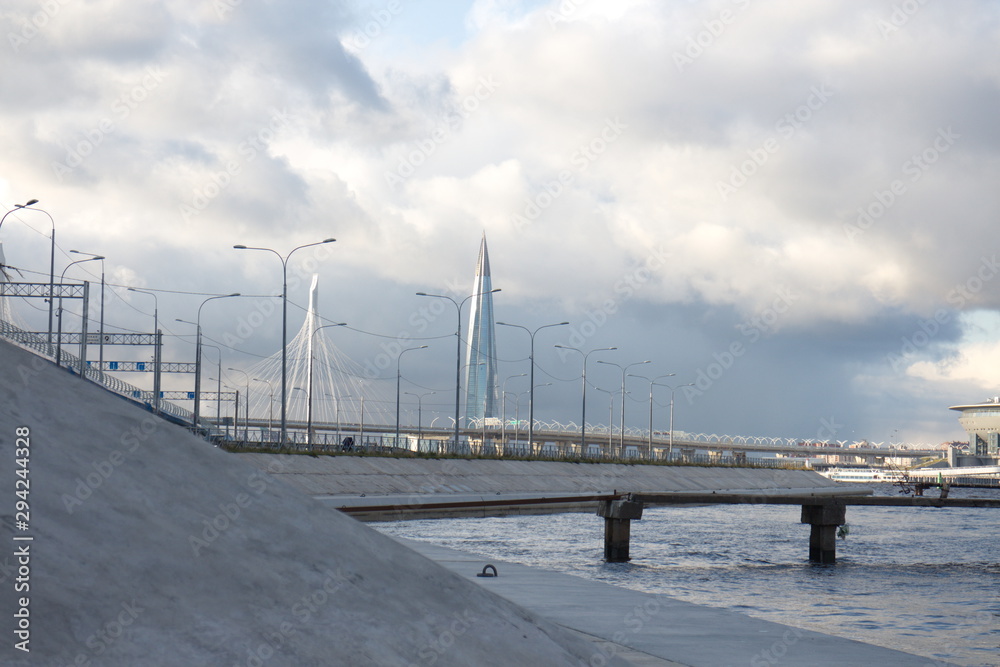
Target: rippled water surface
(921, 580)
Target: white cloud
(816, 110)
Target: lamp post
(100, 345)
(624, 369)
(309, 407)
(270, 405)
(284, 323)
(420, 409)
(336, 402)
(246, 403)
(531, 379)
(157, 355)
(291, 393)
(236, 406)
(399, 378)
(670, 449)
(517, 408)
(59, 334)
(218, 389)
(652, 381)
(197, 355)
(458, 347)
(611, 419)
(503, 408)
(583, 409)
(52, 253)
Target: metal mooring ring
(484, 573)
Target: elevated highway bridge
(636, 445)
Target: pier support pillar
(618, 516)
(824, 521)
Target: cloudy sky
(790, 205)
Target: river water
(921, 580)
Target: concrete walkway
(650, 629)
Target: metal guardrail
(387, 445)
(39, 344)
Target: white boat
(864, 475)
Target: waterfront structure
(481, 348)
(982, 422)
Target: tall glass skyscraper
(481, 350)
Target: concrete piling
(618, 516)
(824, 521)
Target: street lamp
(218, 406)
(621, 441)
(246, 407)
(83, 371)
(670, 449)
(18, 207)
(503, 408)
(458, 347)
(399, 377)
(157, 356)
(420, 408)
(517, 406)
(652, 381)
(611, 419)
(336, 401)
(270, 405)
(309, 419)
(100, 346)
(218, 389)
(531, 380)
(197, 355)
(583, 409)
(284, 323)
(52, 253)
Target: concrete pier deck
(656, 630)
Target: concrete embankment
(131, 542)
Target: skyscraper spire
(481, 355)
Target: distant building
(982, 422)
(481, 349)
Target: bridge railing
(383, 444)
